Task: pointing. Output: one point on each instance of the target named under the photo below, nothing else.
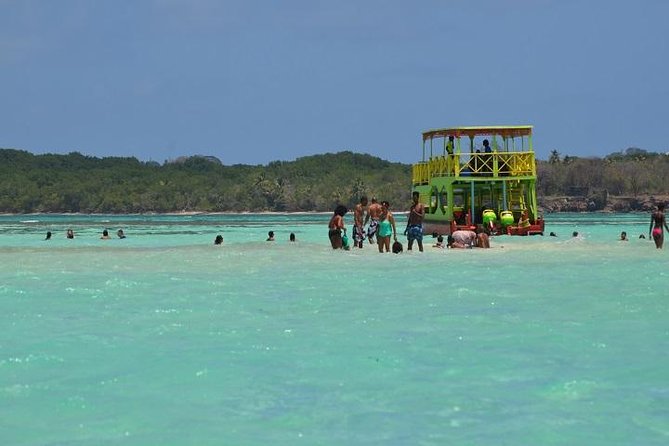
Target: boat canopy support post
(504, 195)
(471, 204)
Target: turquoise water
(165, 339)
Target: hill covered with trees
(77, 183)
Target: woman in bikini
(336, 227)
(657, 225)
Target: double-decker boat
(472, 177)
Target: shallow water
(164, 338)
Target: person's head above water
(341, 210)
(270, 236)
(574, 234)
(623, 235)
(218, 240)
(292, 237)
(48, 235)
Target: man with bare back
(374, 211)
(414, 229)
(359, 222)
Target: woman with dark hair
(336, 226)
(386, 227)
(657, 225)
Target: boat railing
(491, 165)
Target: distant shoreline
(595, 203)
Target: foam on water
(163, 338)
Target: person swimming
(48, 235)
(105, 235)
(270, 236)
(291, 237)
(69, 233)
(120, 233)
(218, 240)
(623, 236)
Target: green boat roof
(504, 131)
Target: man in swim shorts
(373, 214)
(414, 229)
(359, 223)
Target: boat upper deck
(510, 156)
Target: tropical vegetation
(77, 183)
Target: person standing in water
(373, 215)
(69, 233)
(386, 228)
(359, 222)
(336, 226)
(657, 225)
(415, 223)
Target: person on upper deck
(486, 146)
(450, 145)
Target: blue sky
(256, 81)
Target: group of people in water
(105, 234)
(380, 226)
(270, 238)
(375, 223)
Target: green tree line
(627, 173)
(77, 183)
